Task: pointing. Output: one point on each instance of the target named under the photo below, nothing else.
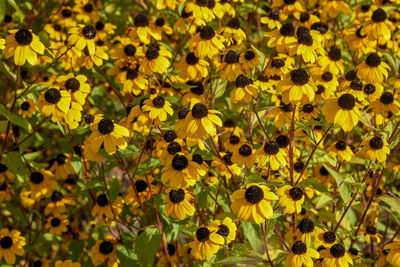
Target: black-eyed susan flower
(332, 62)
(192, 67)
(300, 88)
(55, 102)
(200, 10)
(272, 154)
(27, 108)
(158, 108)
(24, 46)
(11, 245)
(253, 203)
(374, 147)
(156, 59)
(282, 114)
(104, 252)
(249, 60)
(226, 167)
(83, 36)
(206, 242)
(306, 230)
(87, 60)
(103, 30)
(232, 32)
(206, 43)
(244, 155)
(57, 224)
(226, 228)
(335, 256)
(61, 166)
(386, 103)
(107, 132)
(244, 89)
(325, 239)
(230, 68)
(179, 203)
(272, 20)
(201, 121)
(370, 233)
(142, 29)
(394, 252)
(194, 93)
(42, 184)
(373, 69)
(2, 43)
(378, 27)
(308, 45)
(282, 39)
(342, 110)
(301, 255)
(180, 172)
(76, 85)
(5, 192)
(308, 111)
(341, 150)
(280, 65)
(102, 207)
(291, 198)
(58, 203)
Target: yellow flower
(206, 43)
(180, 172)
(179, 204)
(374, 147)
(83, 36)
(244, 90)
(24, 46)
(273, 154)
(291, 198)
(55, 102)
(201, 121)
(156, 60)
(42, 184)
(300, 88)
(57, 224)
(105, 131)
(11, 245)
(27, 108)
(76, 85)
(158, 109)
(103, 252)
(300, 255)
(253, 203)
(335, 256)
(206, 243)
(373, 69)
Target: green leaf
(14, 162)
(239, 250)
(344, 188)
(238, 260)
(76, 163)
(147, 166)
(2, 9)
(15, 119)
(393, 203)
(253, 233)
(183, 86)
(19, 13)
(126, 256)
(314, 184)
(113, 188)
(147, 245)
(201, 198)
(75, 249)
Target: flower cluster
(200, 132)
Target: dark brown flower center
(299, 248)
(199, 111)
(387, 98)
(197, 158)
(191, 59)
(203, 234)
(298, 166)
(347, 101)
(177, 196)
(283, 141)
(296, 193)
(6, 242)
(37, 177)
(278, 63)
(337, 251)
(25, 106)
(89, 32)
(249, 55)
(169, 136)
(329, 237)
(242, 81)
(207, 33)
(102, 200)
(334, 54)
(130, 50)
(379, 15)
(369, 89)
(106, 247)
(141, 186)
(55, 222)
(371, 230)
(376, 143)
(66, 13)
(323, 171)
(356, 85)
(152, 52)
(231, 57)
(234, 23)
(306, 226)
(234, 139)
(308, 108)
(373, 60)
(56, 196)
(254, 194)
(72, 84)
(304, 17)
(319, 26)
(271, 148)
(305, 38)
(223, 230)
(23, 37)
(52, 96)
(227, 159)
(327, 76)
(141, 20)
(245, 150)
(179, 162)
(159, 102)
(174, 148)
(171, 249)
(299, 76)
(287, 30)
(105, 126)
